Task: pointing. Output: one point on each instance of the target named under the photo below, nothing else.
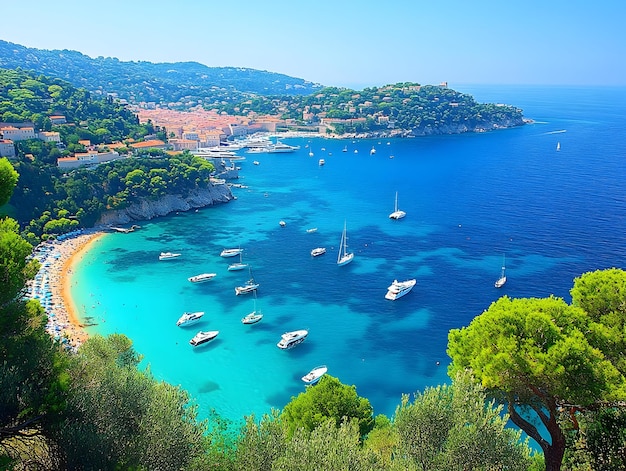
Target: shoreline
(53, 283)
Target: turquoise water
(469, 199)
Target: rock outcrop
(149, 209)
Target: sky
(347, 43)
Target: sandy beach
(53, 284)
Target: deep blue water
(469, 199)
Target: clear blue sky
(352, 43)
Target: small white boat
(189, 318)
(203, 337)
(237, 265)
(315, 374)
(344, 257)
(345, 149)
(558, 146)
(321, 162)
(282, 223)
(291, 339)
(256, 162)
(397, 213)
(231, 252)
(373, 150)
(249, 287)
(202, 277)
(502, 280)
(254, 317)
(311, 230)
(168, 255)
(397, 289)
(316, 252)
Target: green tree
(119, 417)
(602, 295)
(328, 447)
(328, 399)
(534, 355)
(451, 427)
(8, 179)
(260, 444)
(15, 266)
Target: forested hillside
(180, 84)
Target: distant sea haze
(470, 199)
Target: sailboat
(254, 317)
(249, 287)
(397, 213)
(237, 265)
(344, 257)
(500, 281)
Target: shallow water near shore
(469, 199)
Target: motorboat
(282, 223)
(315, 374)
(168, 255)
(397, 213)
(231, 252)
(189, 318)
(201, 278)
(397, 289)
(203, 337)
(291, 339)
(280, 148)
(311, 230)
(321, 162)
(316, 252)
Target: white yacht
(315, 374)
(502, 280)
(201, 278)
(397, 289)
(254, 317)
(344, 257)
(397, 213)
(189, 318)
(291, 339)
(168, 255)
(280, 148)
(316, 252)
(231, 252)
(203, 337)
(249, 287)
(237, 265)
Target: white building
(18, 134)
(7, 148)
(86, 159)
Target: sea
(548, 199)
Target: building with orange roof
(86, 159)
(151, 144)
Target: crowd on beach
(51, 284)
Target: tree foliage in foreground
(328, 399)
(452, 427)
(120, 417)
(542, 356)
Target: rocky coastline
(149, 209)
